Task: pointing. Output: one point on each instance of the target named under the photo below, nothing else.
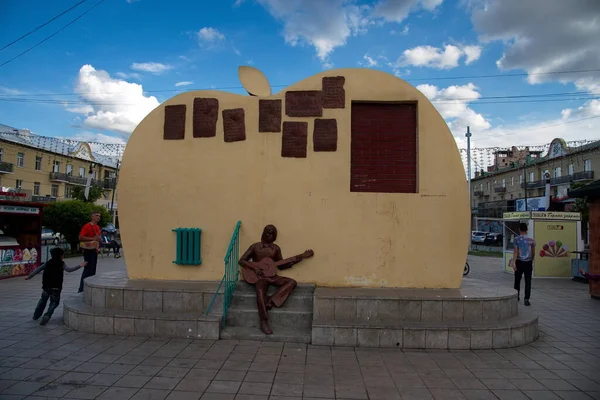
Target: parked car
(493, 239)
(478, 237)
(49, 235)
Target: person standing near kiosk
(90, 242)
(523, 261)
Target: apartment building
(505, 186)
(49, 168)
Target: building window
(481, 187)
(69, 170)
(557, 172)
(36, 188)
(20, 160)
(587, 165)
(487, 186)
(0, 155)
(520, 179)
(19, 184)
(38, 163)
(503, 182)
(55, 166)
(81, 172)
(512, 181)
(54, 191)
(531, 176)
(570, 169)
(68, 194)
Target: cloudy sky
(518, 72)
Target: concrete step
(279, 334)
(297, 301)
(82, 317)
(511, 332)
(278, 317)
(301, 289)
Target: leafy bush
(68, 217)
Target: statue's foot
(264, 326)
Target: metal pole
(112, 202)
(468, 135)
(525, 182)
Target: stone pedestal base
(476, 316)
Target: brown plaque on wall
(307, 103)
(294, 139)
(325, 135)
(269, 115)
(334, 95)
(206, 112)
(234, 125)
(174, 128)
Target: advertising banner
(554, 242)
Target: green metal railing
(232, 273)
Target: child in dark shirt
(52, 282)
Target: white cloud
(10, 91)
(111, 104)
(535, 133)
(324, 25)
(184, 83)
(152, 67)
(126, 75)
(368, 61)
(453, 104)
(472, 53)
(542, 36)
(208, 36)
(327, 24)
(398, 10)
(434, 57)
(97, 138)
(589, 109)
(85, 109)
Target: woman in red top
(90, 241)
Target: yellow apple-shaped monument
(354, 163)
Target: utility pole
(112, 202)
(525, 180)
(468, 135)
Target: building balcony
(535, 184)
(500, 189)
(60, 177)
(583, 176)
(6, 168)
(109, 183)
(478, 193)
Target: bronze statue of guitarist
(260, 263)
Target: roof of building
(65, 147)
(535, 161)
(592, 189)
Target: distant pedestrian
(524, 254)
(110, 244)
(52, 283)
(90, 243)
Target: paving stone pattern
(54, 362)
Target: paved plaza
(54, 362)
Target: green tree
(78, 193)
(68, 217)
(581, 204)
